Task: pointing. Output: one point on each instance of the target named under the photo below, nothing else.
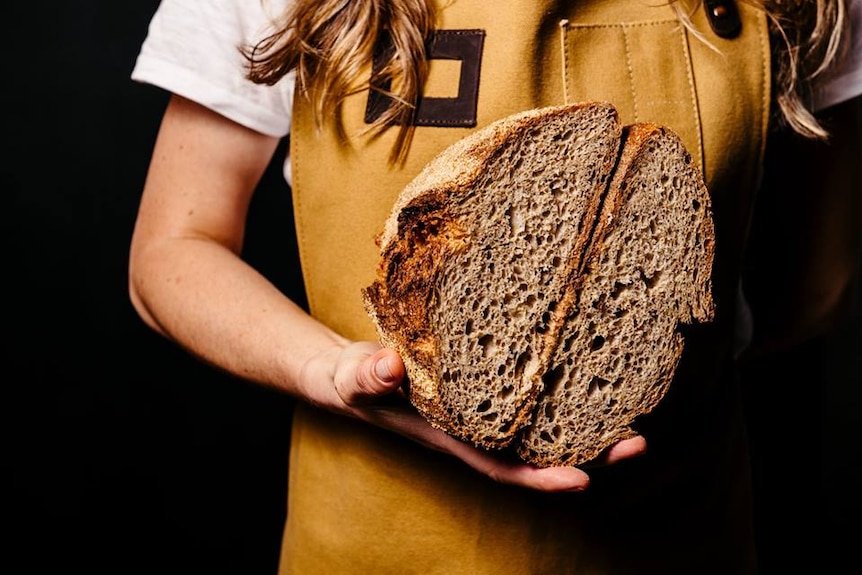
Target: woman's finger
(549, 479)
(366, 372)
(625, 449)
(407, 422)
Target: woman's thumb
(376, 375)
(387, 368)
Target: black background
(120, 454)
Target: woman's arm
(188, 282)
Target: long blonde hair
(330, 44)
(807, 36)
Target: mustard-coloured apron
(366, 501)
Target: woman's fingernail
(382, 371)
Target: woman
(373, 488)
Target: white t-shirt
(192, 49)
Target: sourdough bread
(533, 286)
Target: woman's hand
(365, 383)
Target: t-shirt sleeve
(192, 49)
(845, 81)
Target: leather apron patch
(463, 46)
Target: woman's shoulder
(193, 49)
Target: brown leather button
(723, 17)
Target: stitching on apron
(630, 71)
(698, 127)
(298, 211)
(564, 69)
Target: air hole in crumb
(650, 281)
(619, 288)
(484, 406)
(490, 416)
(553, 377)
(598, 343)
(521, 364)
(542, 327)
(695, 204)
(545, 436)
(597, 385)
(488, 344)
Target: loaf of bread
(533, 277)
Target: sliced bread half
(648, 270)
(475, 259)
